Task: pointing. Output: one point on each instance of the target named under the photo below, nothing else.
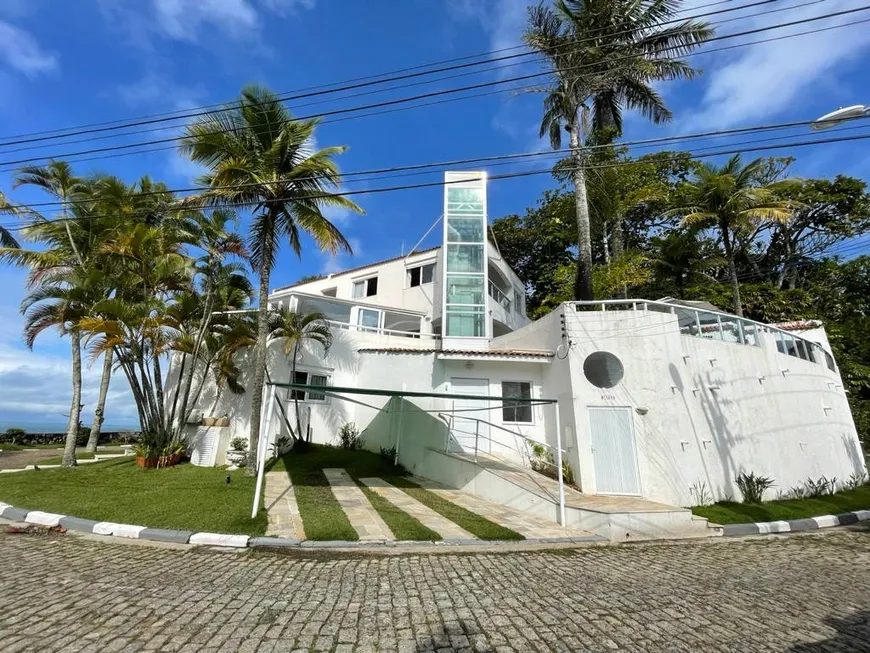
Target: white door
(466, 429)
(614, 453)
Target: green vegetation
(57, 460)
(474, 524)
(183, 497)
(403, 525)
(322, 515)
(729, 512)
(324, 520)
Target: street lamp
(839, 116)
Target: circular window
(603, 369)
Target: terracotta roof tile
(526, 353)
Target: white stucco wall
(714, 409)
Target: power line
(528, 173)
(352, 83)
(432, 94)
(503, 157)
(384, 90)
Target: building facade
(661, 400)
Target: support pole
(559, 466)
(261, 453)
(476, 437)
(399, 430)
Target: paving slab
(282, 511)
(362, 516)
(422, 513)
(524, 523)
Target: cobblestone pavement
(798, 593)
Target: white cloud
(21, 51)
(157, 89)
(343, 261)
(502, 20)
(761, 81)
(182, 19)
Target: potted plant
(148, 454)
(238, 452)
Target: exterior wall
(393, 290)
(712, 409)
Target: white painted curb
(118, 530)
(220, 539)
(43, 518)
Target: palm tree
(681, 257)
(61, 304)
(259, 156)
(7, 240)
(296, 329)
(730, 199)
(604, 56)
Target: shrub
(752, 487)
(542, 461)
(388, 453)
(813, 489)
(349, 437)
(13, 436)
(239, 443)
(856, 480)
(701, 494)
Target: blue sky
(73, 63)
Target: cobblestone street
(806, 593)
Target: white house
(657, 400)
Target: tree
(295, 330)
(680, 259)
(604, 56)
(729, 199)
(259, 156)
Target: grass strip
(183, 497)
(478, 526)
(403, 525)
(729, 512)
(322, 515)
(57, 460)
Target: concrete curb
(130, 531)
(796, 525)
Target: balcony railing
(499, 296)
(715, 325)
(346, 326)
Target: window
(421, 275)
(516, 412)
(329, 292)
(309, 378)
(602, 369)
(365, 287)
(369, 318)
(519, 304)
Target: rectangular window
(309, 378)
(516, 412)
(464, 289)
(421, 275)
(369, 318)
(465, 258)
(365, 287)
(466, 322)
(519, 304)
(464, 230)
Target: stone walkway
(424, 514)
(526, 524)
(362, 516)
(795, 594)
(281, 507)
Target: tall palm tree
(604, 56)
(7, 240)
(295, 330)
(729, 198)
(681, 257)
(259, 156)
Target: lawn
(324, 519)
(740, 513)
(184, 497)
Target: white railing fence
(716, 325)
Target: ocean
(59, 426)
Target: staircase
(619, 519)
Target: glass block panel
(466, 322)
(465, 258)
(464, 230)
(463, 289)
(468, 201)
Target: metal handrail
(496, 293)
(449, 418)
(673, 308)
(347, 326)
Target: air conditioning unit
(195, 417)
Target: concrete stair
(619, 519)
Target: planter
(159, 461)
(215, 421)
(237, 458)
